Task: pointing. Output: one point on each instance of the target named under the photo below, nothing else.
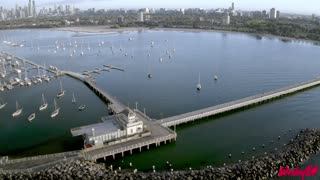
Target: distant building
(30, 9)
(226, 19)
(182, 11)
(273, 14)
(34, 13)
(120, 19)
(232, 6)
(264, 14)
(147, 17)
(278, 14)
(257, 14)
(140, 17)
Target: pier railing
(64, 154)
(131, 147)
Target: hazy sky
(292, 6)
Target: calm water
(244, 64)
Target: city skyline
(293, 7)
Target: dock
(235, 105)
(30, 62)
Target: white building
(273, 14)
(140, 17)
(113, 128)
(129, 122)
(226, 19)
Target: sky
(290, 6)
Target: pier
(235, 105)
(99, 70)
(113, 104)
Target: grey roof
(99, 129)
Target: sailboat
(73, 98)
(81, 53)
(89, 47)
(61, 93)
(31, 117)
(56, 110)
(18, 111)
(199, 84)
(44, 104)
(215, 77)
(2, 104)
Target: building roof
(105, 127)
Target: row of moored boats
(43, 106)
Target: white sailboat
(199, 84)
(56, 110)
(31, 117)
(18, 111)
(61, 93)
(215, 77)
(44, 104)
(2, 104)
(73, 98)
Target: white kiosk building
(112, 128)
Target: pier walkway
(234, 105)
(35, 163)
(115, 105)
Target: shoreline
(107, 29)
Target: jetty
(113, 104)
(235, 105)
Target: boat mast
(55, 104)
(17, 105)
(61, 86)
(43, 99)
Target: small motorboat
(82, 107)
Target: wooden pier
(114, 105)
(235, 105)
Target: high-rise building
(34, 13)
(226, 19)
(278, 14)
(273, 14)
(30, 10)
(264, 14)
(232, 6)
(120, 19)
(140, 16)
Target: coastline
(108, 29)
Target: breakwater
(296, 152)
